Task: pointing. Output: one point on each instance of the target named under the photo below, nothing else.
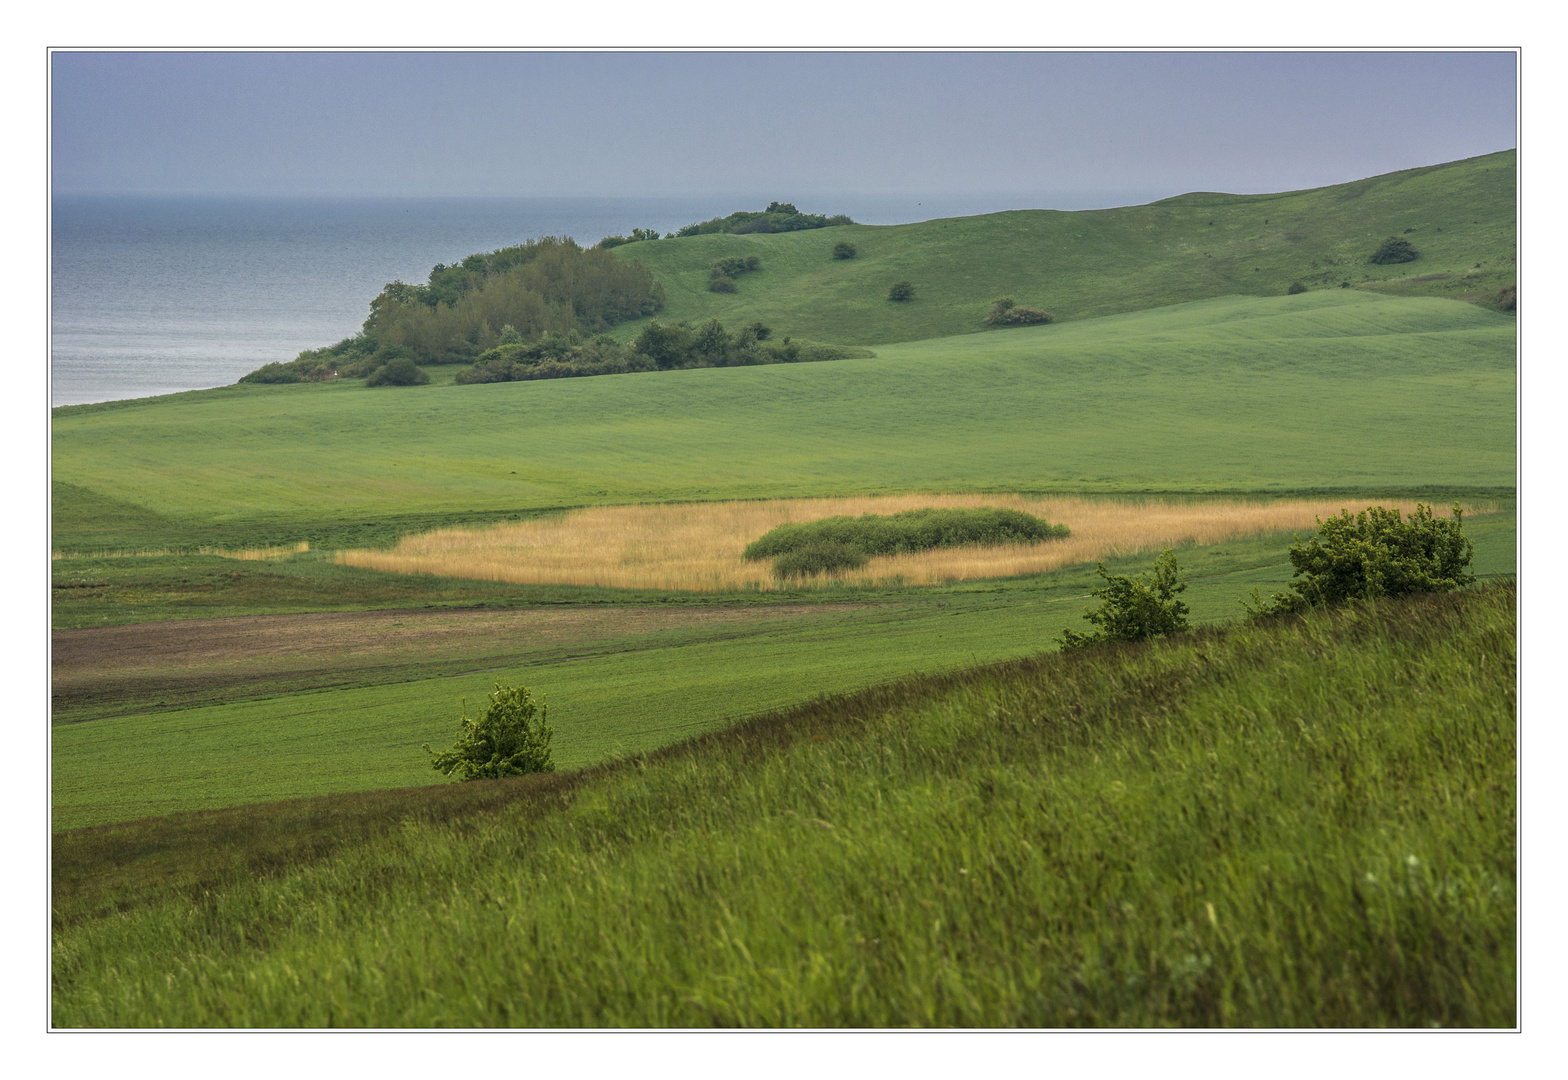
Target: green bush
(720, 283)
(399, 371)
(1135, 609)
(1508, 298)
(823, 557)
(1396, 249)
(911, 530)
(1006, 312)
(1371, 554)
(844, 250)
(510, 739)
(901, 291)
(1296, 289)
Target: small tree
(1135, 609)
(1396, 249)
(844, 250)
(901, 291)
(510, 739)
(1371, 554)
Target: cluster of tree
(543, 286)
(549, 284)
(846, 542)
(637, 234)
(778, 217)
(660, 347)
(1006, 312)
(723, 272)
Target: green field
(1235, 394)
(900, 807)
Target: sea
(156, 295)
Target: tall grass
(250, 554)
(699, 547)
(1304, 823)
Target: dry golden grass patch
(697, 547)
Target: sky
(1064, 129)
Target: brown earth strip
(100, 671)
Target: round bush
(399, 372)
(901, 291)
(721, 284)
(844, 250)
(1296, 288)
(1396, 249)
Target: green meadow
(830, 805)
(1234, 394)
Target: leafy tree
(1396, 249)
(1135, 609)
(510, 739)
(901, 291)
(1371, 554)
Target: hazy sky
(1075, 127)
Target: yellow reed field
(248, 554)
(697, 547)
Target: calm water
(153, 296)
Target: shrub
(844, 250)
(1296, 288)
(1396, 249)
(1006, 312)
(822, 557)
(910, 530)
(510, 739)
(1135, 609)
(900, 291)
(1372, 554)
(399, 371)
(720, 283)
(1508, 298)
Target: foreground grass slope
(1460, 216)
(1304, 823)
(1233, 394)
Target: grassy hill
(1246, 827)
(1082, 264)
(1335, 389)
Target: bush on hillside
(1006, 312)
(400, 371)
(844, 250)
(1396, 249)
(778, 217)
(1372, 554)
(637, 234)
(719, 283)
(900, 291)
(1508, 298)
(1135, 609)
(510, 739)
(1296, 289)
(824, 557)
(273, 373)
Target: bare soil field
(112, 670)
